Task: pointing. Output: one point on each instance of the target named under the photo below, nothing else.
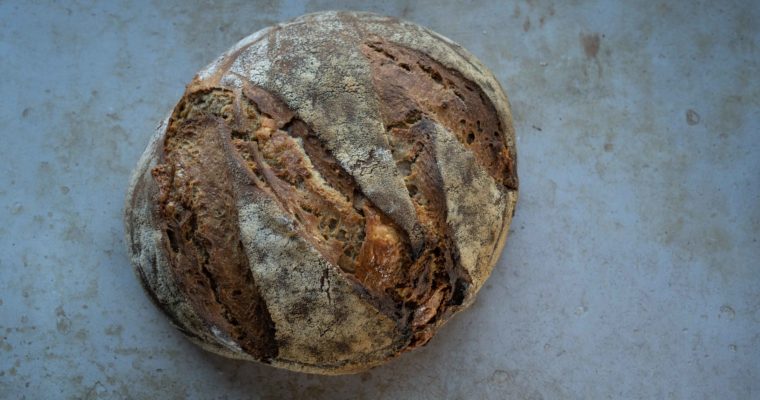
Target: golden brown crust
(411, 86)
(323, 197)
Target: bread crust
(327, 193)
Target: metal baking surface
(631, 270)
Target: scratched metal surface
(632, 269)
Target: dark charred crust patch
(409, 83)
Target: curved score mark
(415, 92)
(410, 85)
(198, 208)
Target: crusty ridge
(412, 86)
(199, 216)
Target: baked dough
(326, 194)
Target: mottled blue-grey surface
(632, 269)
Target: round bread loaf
(326, 194)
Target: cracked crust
(326, 194)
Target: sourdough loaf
(326, 194)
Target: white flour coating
(281, 262)
(474, 218)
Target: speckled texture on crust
(314, 64)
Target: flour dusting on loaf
(326, 194)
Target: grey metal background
(632, 269)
